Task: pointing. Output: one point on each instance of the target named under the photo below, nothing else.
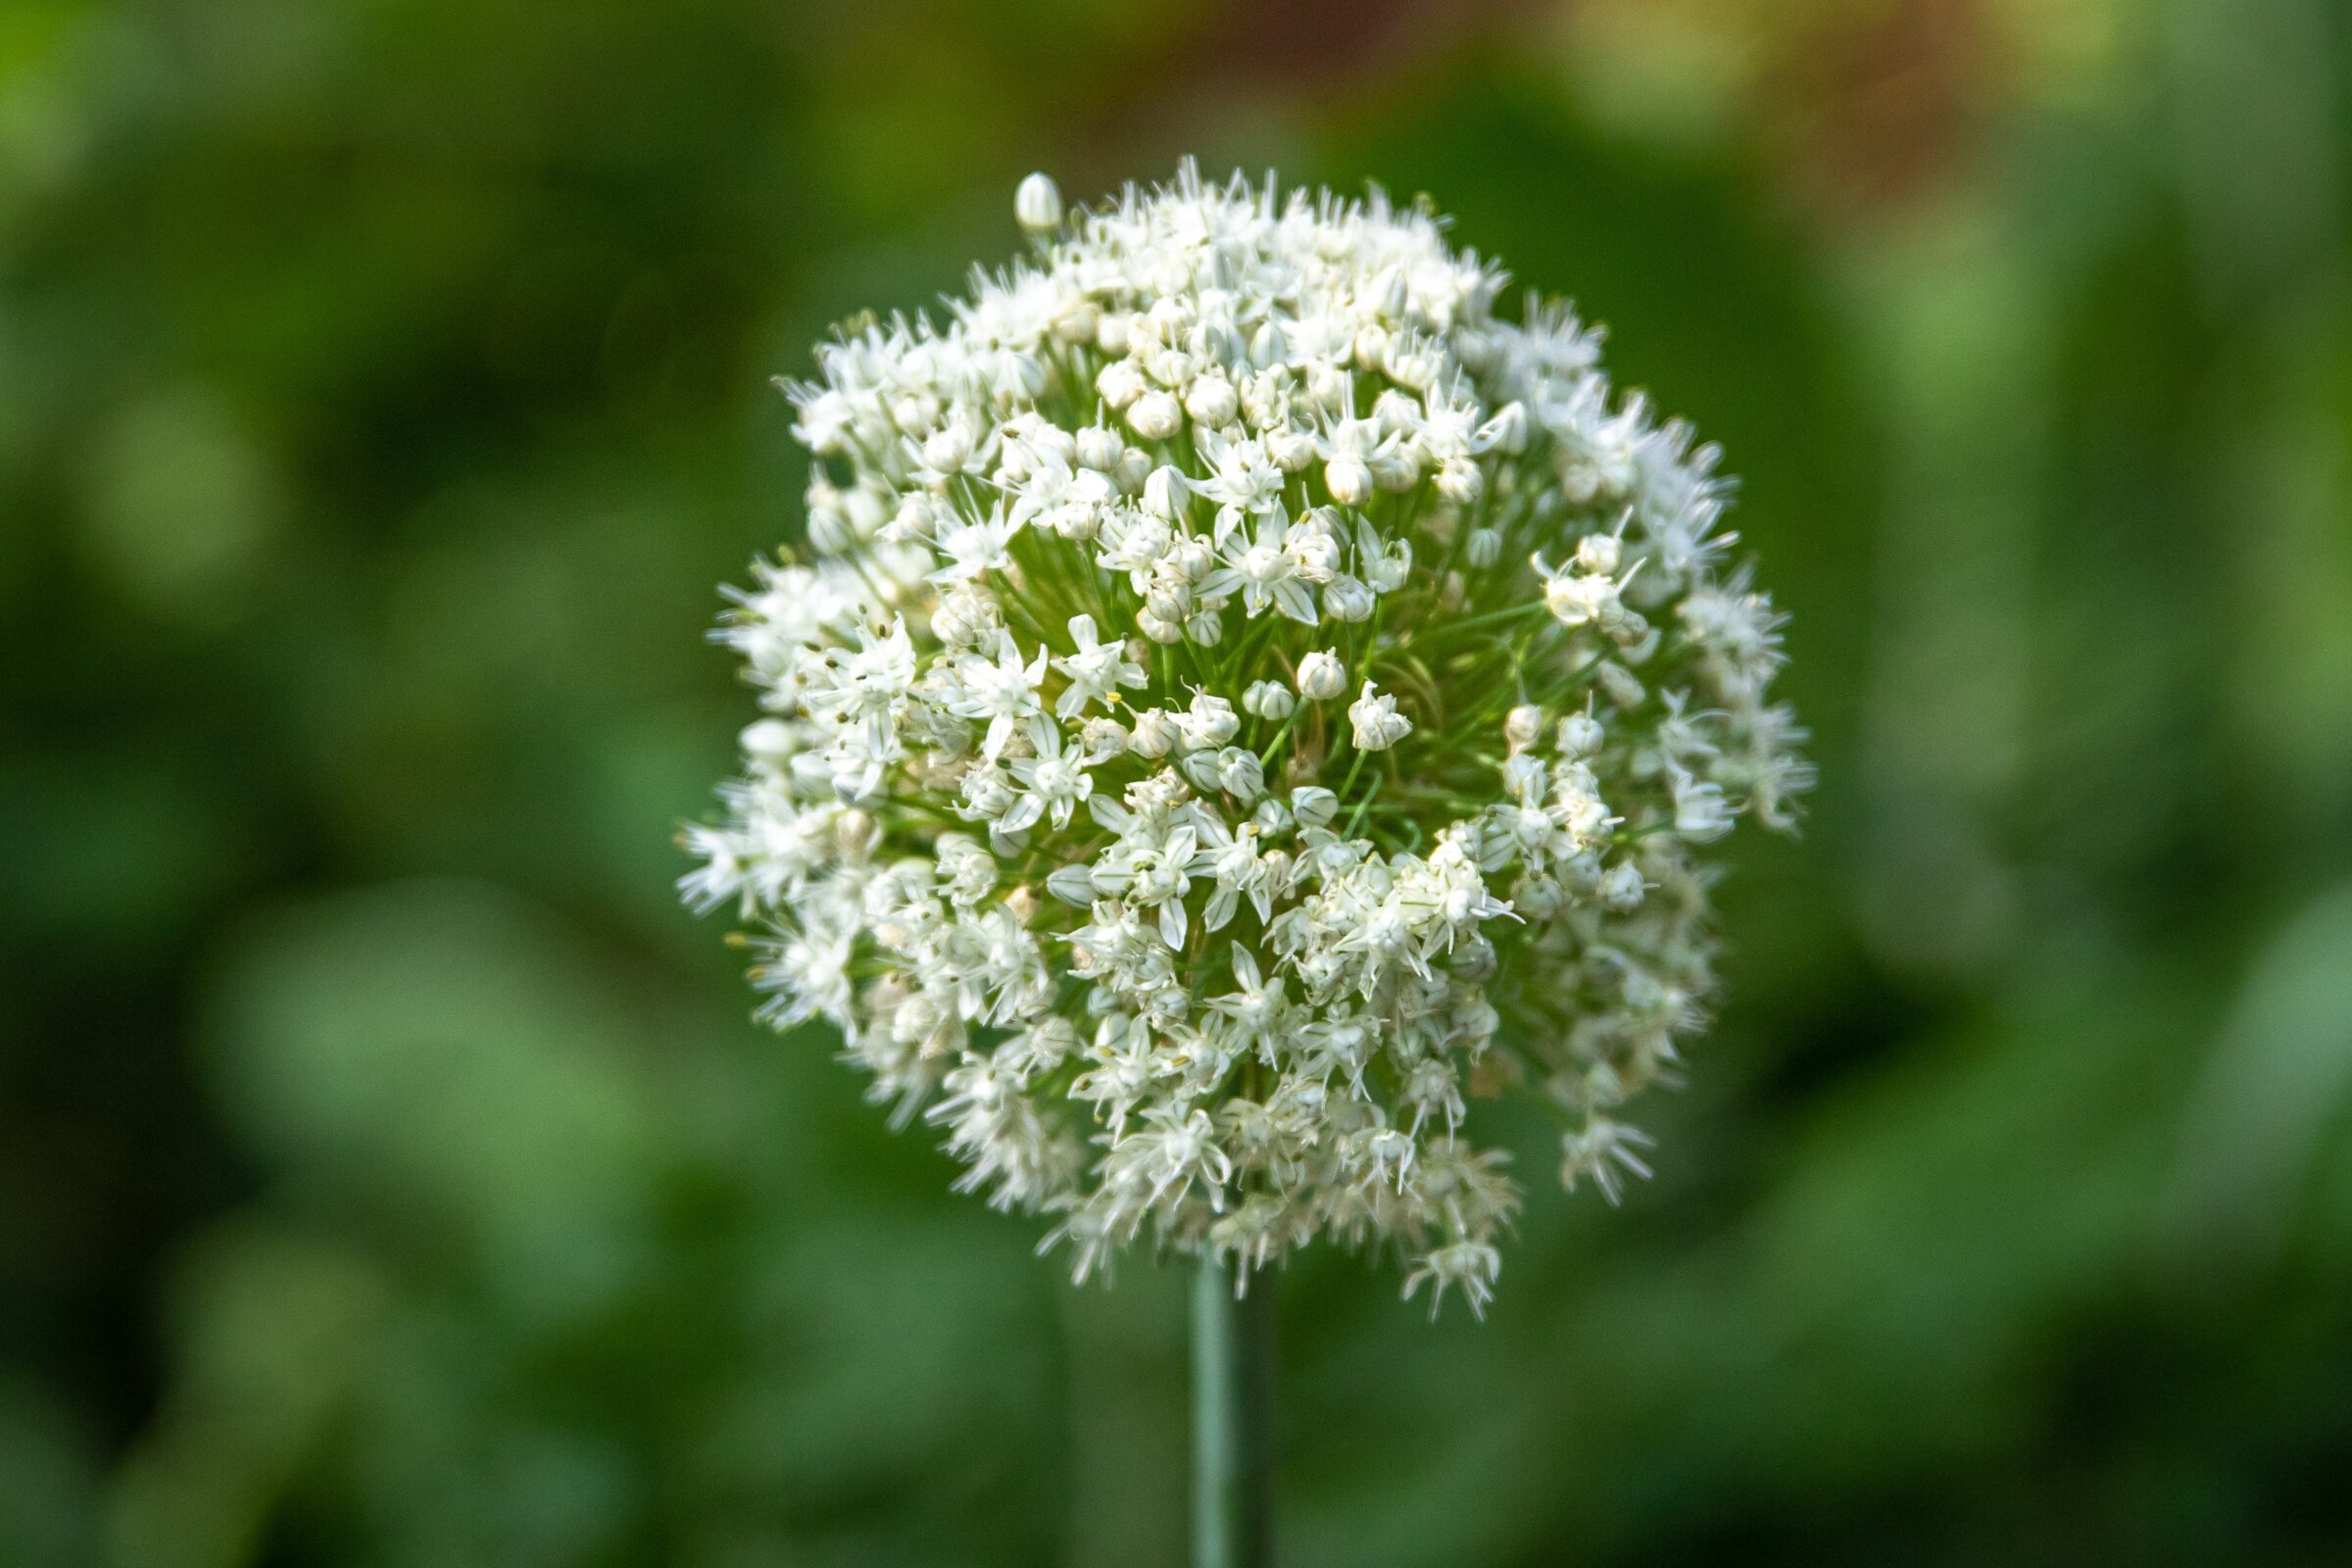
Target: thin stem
(1364, 805)
(1233, 1421)
(1265, 758)
(1446, 628)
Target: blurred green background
(389, 1173)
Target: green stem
(1364, 805)
(1233, 1421)
(1447, 628)
(1265, 758)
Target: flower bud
(1019, 378)
(1038, 203)
(1120, 383)
(1268, 699)
(1521, 725)
(1599, 553)
(1581, 735)
(1209, 722)
(1396, 469)
(1537, 898)
(1204, 627)
(1099, 448)
(856, 832)
(1460, 479)
(1474, 960)
(1072, 884)
(1376, 724)
(1390, 570)
(1621, 886)
(950, 448)
(1483, 549)
(1314, 806)
(1212, 401)
(1292, 450)
(1349, 480)
(1397, 412)
(1240, 774)
(1154, 733)
(964, 618)
(1102, 739)
(1201, 769)
(1321, 676)
(1165, 492)
(1155, 416)
(986, 792)
(1077, 321)
(1346, 598)
(1326, 386)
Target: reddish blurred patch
(1872, 108)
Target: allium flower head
(1244, 701)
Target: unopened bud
(1599, 553)
(1346, 598)
(1038, 203)
(1350, 480)
(1155, 416)
(1268, 699)
(1321, 676)
(1313, 805)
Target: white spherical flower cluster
(1244, 700)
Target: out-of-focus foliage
(387, 1174)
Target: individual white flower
(1321, 675)
(1603, 1151)
(1346, 599)
(1102, 739)
(1053, 782)
(1581, 735)
(1313, 805)
(1155, 416)
(1262, 572)
(1377, 723)
(1038, 203)
(1215, 452)
(1212, 400)
(1469, 1266)
(1240, 774)
(1155, 734)
(1095, 671)
(1001, 689)
(1209, 722)
(1268, 699)
(971, 548)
